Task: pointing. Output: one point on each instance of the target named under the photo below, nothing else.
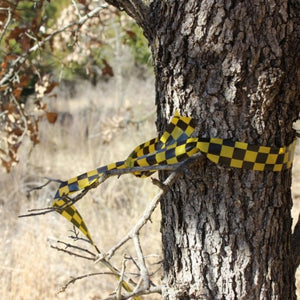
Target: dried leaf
(51, 86)
(107, 70)
(51, 117)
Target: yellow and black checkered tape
(175, 145)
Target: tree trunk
(234, 67)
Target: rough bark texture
(234, 67)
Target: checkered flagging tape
(176, 145)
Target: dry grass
(29, 268)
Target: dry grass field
(93, 129)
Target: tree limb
(137, 9)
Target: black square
(151, 160)
(280, 158)
(214, 149)
(73, 187)
(82, 176)
(261, 158)
(182, 125)
(70, 211)
(238, 154)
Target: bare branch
(143, 268)
(67, 245)
(70, 201)
(119, 288)
(73, 280)
(72, 253)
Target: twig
(121, 280)
(151, 290)
(73, 280)
(6, 24)
(72, 253)
(23, 119)
(39, 187)
(77, 9)
(42, 211)
(143, 268)
(67, 245)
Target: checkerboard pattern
(176, 145)
(71, 214)
(242, 155)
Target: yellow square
(250, 156)
(180, 150)
(216, 141)
(241, 145)
(286, 158)
(160, 157)
(189, 130)
(227, 151)
(176, 133)
(59, 203)
(77, 218)
(66, 215)
(142, 162)
(236, 163)
(271, 159)
(82, 183)
(92, 173)
(74, 179)
(282, 150)
(64, 190)
(164, 137)
(277, 167)
(172, 160)
(192, 151)
(203, 146)
(213, 158)
(259, 167)
(263, 149)
(152, 148)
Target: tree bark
(234, 67)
